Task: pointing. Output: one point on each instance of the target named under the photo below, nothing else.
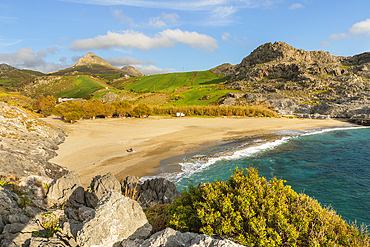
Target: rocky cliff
(27, 144)
(296, 81)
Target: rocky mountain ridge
(300, 82)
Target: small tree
(108, 110)
(45, 105)
(69, 111)
(123, 108)
(142, 110)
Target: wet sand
(99, 146)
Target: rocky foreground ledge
(67, 214)
(27, 143)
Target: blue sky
(174, 36)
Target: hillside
(312, 84)
(190, 88)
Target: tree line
(74, 110)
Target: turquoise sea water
(331, 166)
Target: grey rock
(85, 213)
(7, 204)
(158, 191)
(116, 218)
(71, 213)
(172, 238)
(13, 228)
(49, 242)
(1, 224)
(18, 218)
(98, 186)
(16, 240)
(71, 228)
(67, 190)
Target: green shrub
(158, 216)
(254, 211)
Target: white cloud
(124, 19)
(359, 28)
(296, 6)
(193, 39)
(170, 17)
(41, 53)
(223, 12)
(75, 58)
(9, 42)
(156, 22)
(225, 35)
(123, 61)
(25, 58)
(63, 60)
(130, 38)
(338, 36)
(52, 49)
(362, 27)
(325, 43)
(151, 69)
(194, 5)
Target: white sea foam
(200, 162)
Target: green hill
(190, 88)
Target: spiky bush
(257, 212)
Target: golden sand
(99, 146)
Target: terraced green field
(172, 81)
(84, 86)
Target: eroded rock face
(98, 186)
(116, 218)
(171, 238)
(295, 81)
(27, 144)
(67, 190)
(152, 192)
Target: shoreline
(99, 146)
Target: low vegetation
(255, 212)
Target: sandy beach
(99, 146)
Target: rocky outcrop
(116, 218)
(170, 238)
(152, 192)
(27, 144)
(67, 190)
(295, 81)
(98, 186)
(131, 71)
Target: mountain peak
(89, 59)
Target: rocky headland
(309, 84)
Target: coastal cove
(98, 146)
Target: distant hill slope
(93, 64)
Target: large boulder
(67, 190)
(116, 218)
(152, 192)
(158, 191)
(171, 238)
(98, 186)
